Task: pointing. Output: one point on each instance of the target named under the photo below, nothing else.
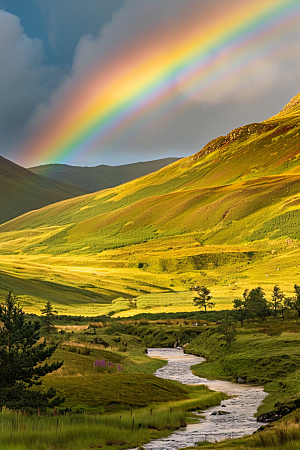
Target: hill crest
(101, 177)
(23, 191)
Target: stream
(241, 407)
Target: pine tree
(21, 358)
(278, 300)
(49, 314)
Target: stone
(241, 380)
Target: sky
(90, 82)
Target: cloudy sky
(88, 82)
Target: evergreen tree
(21, 358)
(203, 301)
(239, 309)
(49, 314)
(278, 301)
(256, 303)
(227, 329)
(296, 302)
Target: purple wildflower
(97, 363)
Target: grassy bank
(265, 354)
(108, 431)
(282, 435)
(112, 399)
(113, 405)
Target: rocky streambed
(233, 418)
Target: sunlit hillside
(226, 217)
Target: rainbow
(106, 105)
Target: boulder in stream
(241, 380)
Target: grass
(115, 430)
(95, 289)
(23, 191)
(266, 354)
(217, 218)
(108, 408)
(127, 381)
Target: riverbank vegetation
(281, 435)
(118, 430)
(111, 397)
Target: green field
(123, 405)
(266, 354)
(116, 405)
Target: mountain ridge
(100, 177)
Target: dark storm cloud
(25, 81)
(61, 23)
(75, 33)
(69, 20)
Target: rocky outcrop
(278, 412)
(241, 133)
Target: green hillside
(23, 191)
(226, 216)
(100, 177)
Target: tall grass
(117, 430)
(283, 435)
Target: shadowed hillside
(226, 214)
(22, 191)
(100, 177)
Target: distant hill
(100, 177)
(22, 191)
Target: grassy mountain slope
(226, 216)
(100, 177)
(23, 191)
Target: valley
(118, 267)
(226, 217)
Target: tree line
(254, 303)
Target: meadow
(264, 353)
(112, 400)
(118, 403)
(84, 285)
